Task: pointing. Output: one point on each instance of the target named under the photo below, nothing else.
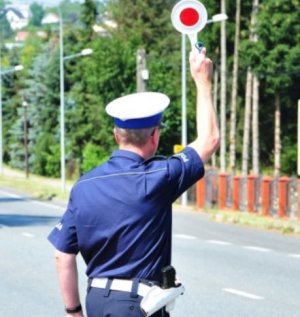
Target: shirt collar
(127, 154)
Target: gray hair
(137, 137)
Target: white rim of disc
(193, 4)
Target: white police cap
(138, 110)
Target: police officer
(119, 214)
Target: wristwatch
(73, 310)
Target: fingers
(201, 67)
(196, 56)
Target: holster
(157, 298)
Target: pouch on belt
(165, 296)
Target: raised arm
(208, 135)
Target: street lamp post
(215, 18)
(63, 58)
(2, 73)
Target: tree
(255, 99)
(41, 92)
(91, 82)
(247, 117)
(37, 14)
(279, 55)
(88, 18)
(32, 48)
(223, 92)
(277, 139)
(255, 126)
(112, 68)
(93, 88)
(5, 29)
(92, 156)
(234, 89)
(10, 87)
(251, 103)
(11, 102)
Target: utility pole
(25, 106)
(142, 74)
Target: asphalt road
(227, 270)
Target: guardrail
(267, 196)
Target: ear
(117, 140)
(155, 136)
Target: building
(21, 36)
(50, 18)
(18, 15)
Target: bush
(93, 155)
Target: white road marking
(28, 235)
(181, 236)
(32, 201)
(254, 248)
(220, 242)
(242, 293)
(295, 255)
(9, 194)
(185, 236)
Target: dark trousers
(107, 303)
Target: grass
(281, 225)
(35, 186)
(44, 188)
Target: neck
(141, 151)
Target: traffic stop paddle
(189, 17)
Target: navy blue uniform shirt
(119, 214)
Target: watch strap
(73, 310)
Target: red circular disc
(189, 16)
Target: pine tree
(41, 94)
